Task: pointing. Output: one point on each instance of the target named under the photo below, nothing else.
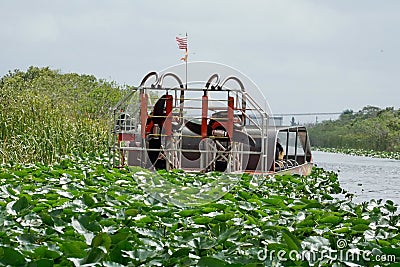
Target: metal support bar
(204, 114)
(168, 115)
(229, 123)
(295, 145)
(143, 113)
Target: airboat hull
(304, 170)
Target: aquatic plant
(80, 212)
(361, 152)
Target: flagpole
(186, 62)
(183, 44)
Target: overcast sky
(306, 56)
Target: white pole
(187, 55)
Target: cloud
(306, 54)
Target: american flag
(182, 42)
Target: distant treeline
(369, 128)
(44, 114)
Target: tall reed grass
(45, 114)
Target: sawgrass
(45, 114)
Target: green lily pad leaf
(209, 261)
(291, 241)
(89, 222)
(103, 240)
(161, 213)
(202, 220)
(222, 237)
(391, 251)
(360, 227)
(42, 263)
(9, 256)
(112, 264)
(307, 222)
(314, 205)
(74, 249)
(203, 242)
(224, 217)
(180, 253)
(316, 242)
(21, 174)
(328, 197)
(342, 230)
(275, 201)
(298, 207)
(95, 255)
(88, 200)
(244, 195)
(20, 204)
(47, 219)
(39, 209)
(45, 253)
(187, 213)
(384, 243)
(117, 254)
(119, 237)
(131, 212)
(294, 179)
(230, 197)
(146, 219)
(246, 205)
(140, 254)
(334, 220)
(6, 176)
(390, 206)
(209, 209)
(356, 221)
(276, 247)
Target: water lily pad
(102, 240)
(42, 263)
(292, 242)
(180, 253)
(187, 213)
(131, 212)
(74, 249)
(224, 217)
(20, 204)
(9, 256)
(209, 261)
(334, 220)
(202, 220)
(45, 253)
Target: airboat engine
(209, 128)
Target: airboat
(213, 124)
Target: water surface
(367, 178)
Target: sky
(304, 55)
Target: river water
(367, 178)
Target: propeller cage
(201, 129)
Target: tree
(348, 114)
(369, 128)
